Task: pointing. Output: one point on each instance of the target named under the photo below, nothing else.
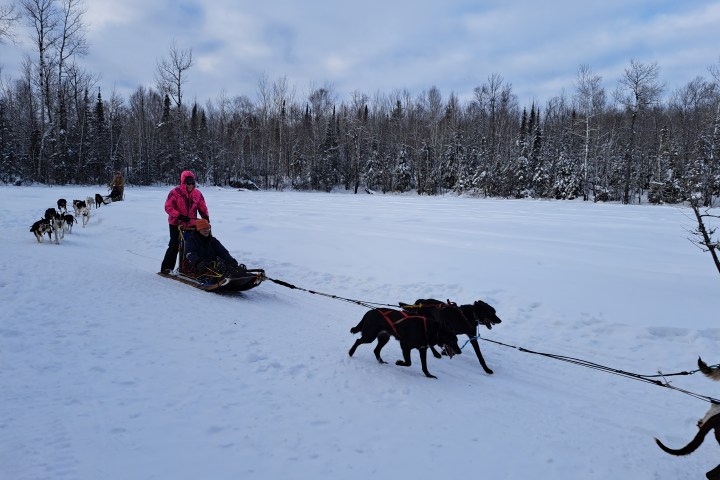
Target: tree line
(635, 143)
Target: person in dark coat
(205, 254)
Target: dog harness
(386, 315)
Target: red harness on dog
(385, 313)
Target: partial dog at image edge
(711, 421)
(710, 372)
(412, 331)
(711, 424)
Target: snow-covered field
(109, 371)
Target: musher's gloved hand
(183, 218)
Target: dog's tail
(711, 372)
(713, 422)
(357, 327)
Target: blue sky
(387, 46)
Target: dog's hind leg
(363, 339)
(476, 347)
(357, 343)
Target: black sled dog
(711, 421)
(461, 319)
(412, 331)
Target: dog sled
(222, 283)
(212, 280)
(116, 195)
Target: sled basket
(216, 281)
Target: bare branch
(170, 76)
(8, 17)
(704, 234)
(639, 87)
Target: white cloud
(404, 44)
(101, 13)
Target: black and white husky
(40, 228)
(57, 227)
(78, 206)
(68, 221)
(62, 205)
(55, 220)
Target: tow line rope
(577, 361)
(653, 379)
(350, 300)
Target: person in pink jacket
(183, 204)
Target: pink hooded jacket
(180, 202)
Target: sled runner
(233, 283)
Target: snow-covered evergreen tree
(9, 161)
(373, 172)
(567, 179)
(402, 175)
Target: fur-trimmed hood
(185, 174)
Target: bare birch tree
(42, 17)
(171, 73)
(71, 42)
(638, 89)
(590, 99)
